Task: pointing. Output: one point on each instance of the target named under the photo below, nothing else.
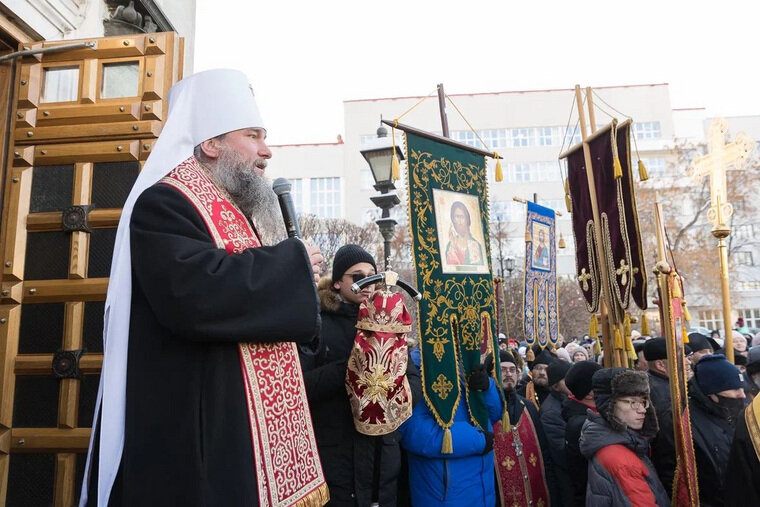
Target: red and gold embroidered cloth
(520, 465)
(288, 469)
(376, 375)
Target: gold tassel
(597, 347)
(677, 287)
(618, 339)
(498, 174)
(644, 325)
(446, 446)
(627, 331)
(568, 200)
(528, 237)
(630, 348)
(530, 355)
(395, 168)
(643, 175)
(561, 243)
(684, 334)
(618, 168)
(506, 426)
(593, 327)
(686, 314)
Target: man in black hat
(716, 402)
(524, 447)
(349, 457)
(554, 427)
(574, 411)
(663, 445)
(700, 346)
(537, 387)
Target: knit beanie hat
(347, 256)
(610, 384)
(557, 371)
(715, 374)
(578, 378)
(504, 357)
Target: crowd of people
(226, 356)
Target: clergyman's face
(250, 144)
(540, 378)
(508, 376)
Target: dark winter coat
(348, 456)
(663, 445)
(743, 470)
(713, 431)
(574, 413)
(554, 428)
(619, 471)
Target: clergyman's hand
(315, 258)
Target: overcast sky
(304, 58)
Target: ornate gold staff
(722, 156)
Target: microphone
(281, 188)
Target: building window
(296, 193)
(711, 319)
(325, 197)
(744, 232)
(656, 167)
(647, 130)
(60, 84)
(547, 136)
(494, 138)
(742, 258)
(751, 317)
(466, 137)
(572, 136)
(520, 137)
(751, 285)
(500, 211)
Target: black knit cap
(347, 256)
(556, 371)
(504, 357)
(578, 377)
(655, 349)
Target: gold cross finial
(721, 157)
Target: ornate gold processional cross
(722, 156)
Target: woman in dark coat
(616, 442)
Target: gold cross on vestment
(584, 278)
(721, 157)
(622, 272)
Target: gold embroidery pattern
(442, 386)
(508, 463)
(532, 459)
(584, 278)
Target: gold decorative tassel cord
(395, 164)
(498, 174)
(684, 334)
(593, 327)
(677, 293)
(618, 168)
(686, 314)
(528, 237)
(447, 447)
(506, 426)
(644, 325)
(627, 331)
(530, 355)
(597, 347)
(618, 339)
(568, 200)
(630, 348)
(643, 175)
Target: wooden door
(85, 121)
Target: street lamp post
(379, 155)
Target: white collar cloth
(201, 106)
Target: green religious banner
(448, 218)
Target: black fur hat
(612, 383)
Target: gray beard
(251, 192)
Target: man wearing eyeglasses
(349, 457)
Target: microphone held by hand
(281, 187)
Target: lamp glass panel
(380, 163)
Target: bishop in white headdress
(201, 399)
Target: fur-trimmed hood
(328, 297)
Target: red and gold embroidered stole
(752, 418)
(520, 465)
(288, 468)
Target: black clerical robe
(187, 434)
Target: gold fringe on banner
(643, 175)
(447, 447)
(677, 293)
(593, 327)
(618, 168)
(627, 331)
(630, 348)
(644, 325)
(684, 334)
(498, 174)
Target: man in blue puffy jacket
(466, 476)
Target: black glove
(478, 379)
(489, 442)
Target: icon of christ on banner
(541, 252)
(460, 233)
